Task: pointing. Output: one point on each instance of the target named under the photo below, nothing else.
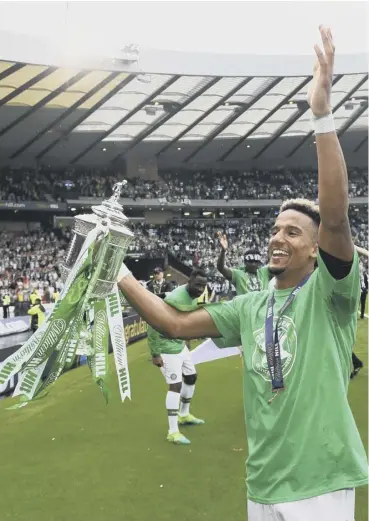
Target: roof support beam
(294, 117)
(125, 118)
(145, 133)
(204, 115)
(362, 142)
(85, 115)
(235, 115)
(264, 119)
(339, 104)
(44, 101)
(351, 120)
(27, 85)
(65, 114)
(11, 70)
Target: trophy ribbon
(96, 253)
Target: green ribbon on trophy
(80, 323)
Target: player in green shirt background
(174, 359)
(305, 453)
(252, 278)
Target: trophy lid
(111, 208)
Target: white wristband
(323, 125)
(123, 272)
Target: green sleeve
(226, 318)
(344, 294)
(153, 341)
(223, 343)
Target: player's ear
(314, 252)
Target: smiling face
(293, 245)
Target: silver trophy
(109, 213)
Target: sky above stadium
(261, 27)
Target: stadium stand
(42, 185)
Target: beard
(276, 271)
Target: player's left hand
(319, 95)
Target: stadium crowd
(41, 184)
(33, 261)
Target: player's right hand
(158, 361)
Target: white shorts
(177, 365)
(335, 506)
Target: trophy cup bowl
(110, 213)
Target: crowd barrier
(134, 329)
(14, 325)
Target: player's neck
(291, 278)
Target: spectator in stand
(44, 184)
(6, 304)
(158, 285)
(55, 296)
(34, 296)
(31, 262)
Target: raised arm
(334, 232)
(222, 268)
(161, 316)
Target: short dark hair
(198, 272)
(303, 206)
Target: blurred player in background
(363, 279)
(356, 362)
(252, 278)
(174, 359)
(364, 289)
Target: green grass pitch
(69, 457)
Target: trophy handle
(117, 189)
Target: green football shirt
(305, 442)
(180, 299)
(246, 282)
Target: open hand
(223, 241)
(319, 95)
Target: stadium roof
(50, 113)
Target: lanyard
(272, 347)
